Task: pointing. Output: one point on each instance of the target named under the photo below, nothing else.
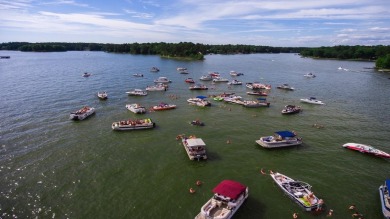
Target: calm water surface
(51, 167)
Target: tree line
(380, 53)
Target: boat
(181, 69)
(138, 75)
(82, 113)
(298, 191)
(291, 109)
(163, 106)
(5, 57)
(199, 101)
(154, 69)
(285, 87)
(228, 197)
(312, 100)
(136, 108)
(206, 78)
(197, 122)
(260, 102)
(184, 72)
(157, 87)
(385, 198)
(219, 79)
(198, 87)
(127, 125)
(86, 74)
(195, 147)
(102, 95)
(234, 73)
(257, 93)
(189, 80)
(367, 149)
(137, 92)
(235, 82)
(162, 80)
(310, 75)
(257, 85)
(280, 139)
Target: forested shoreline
(380, 54)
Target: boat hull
(366, 149)
(384, 201)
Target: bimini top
(388, 183)
(229, 188)
(195, 142)
(286, 134)
(201, 97)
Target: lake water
(51, 167)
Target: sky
(286, 23)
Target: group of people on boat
(132, 122)
(82, 110)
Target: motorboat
(312, 100)
(157, 87)
(162, 80)
(228, 197)
(298, 191)
(199, 101)
(163, 106)
(128, 125)
(136, 108)
(235, 82)
(385, 198)
(189, 80)
(195, 147)
(154, 69)
(260, 102)
(310, 75)
(181, 69)
(232, 98)
(291, 109)
(184, 72)
(138, 75)
(102, 95)
(214, 74)
(198, 87)
(137, 92)
(219, 79)
(197, 122)
(234, 73)
(82, 113)
(257, 85)
(285, 87)
(280, 139)
(205, 78)
(257, 93)
(367, 149)
(86, 74)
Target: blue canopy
(285, 134)
(388, 183)
(201, 97)
(260, 98)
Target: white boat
(205, 78)
(199, 101)
(198, 87)
(228, 197)
(86, 74)
(285, 87)
(260, 102)
(257, 85)
(163, 106)
(291, 109)
(162, 80)
(137, 92)
(235, 82)
(127, 125)
(158, 87)
(136, 108)
(181, 69)
(280, 139)
(82, 113)
(366, 149)
(219, 79)
(298, 191)
(195, 147)
(312, 100)
(385, 198)
(102, 95)
(138, 75)
(310, 75)
(154, 69)
(234, 73)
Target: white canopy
(195, 142)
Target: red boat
(366, 149)
(189, 80)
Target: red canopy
(229, 188)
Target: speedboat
(214, 74)
(197, 123)
(291, 109)
(158, 87)
(189, 80)
(163, 106)
(219, 79)
(234, 73)
(138, 75)
(127, 125)
(198, 87)
(86, 74)
(257, 93)
(136, 108)
(102, 95)
(162, 80)
(256, 103)
(285, 87)
(310, 75)
(195, 147)
(154, 69)
(257, 85)
(199, 101)
(235, 82)
(312, 100)
(280, 139)
(228, 197)
(181, 69)
(82, 113)
(298, 191)
(385, 198)
(367, 149)
(137, 92)
(205, 78)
